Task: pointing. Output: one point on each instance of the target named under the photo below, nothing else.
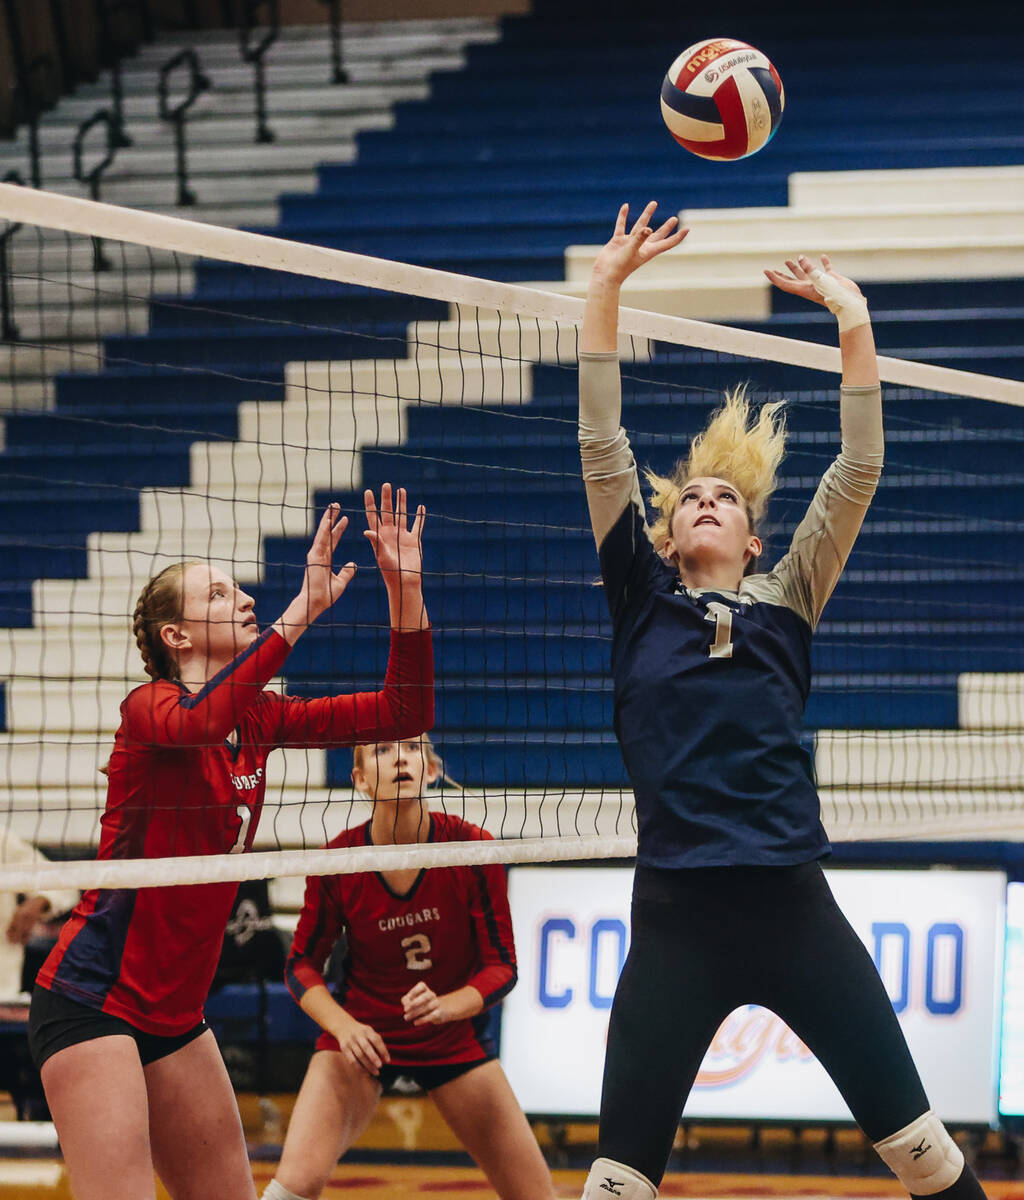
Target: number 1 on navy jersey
(720, 615)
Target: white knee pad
(608, 1179)
(274, 1191)
(922, 1156)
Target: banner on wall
(936, 937)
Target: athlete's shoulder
(451, 828)
(146, 694)
(356, 835)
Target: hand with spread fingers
(398, 548)
(626, 252)
(823, 285)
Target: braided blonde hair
(160, 603)
(745, 453)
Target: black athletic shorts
(55, 1022)
(431, 1076)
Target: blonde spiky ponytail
(744, 453)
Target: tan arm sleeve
(809, 572)
(609, 469)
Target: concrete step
(224, 102)
(384, 42)
(919, 758)
(239, 76)
(280, 161)
(991, 700)
(33, 362)
(27, 760)
(927, 185)
(961, 256)
(822, 224)
(26, 395)
(58, 257)
(209, 130)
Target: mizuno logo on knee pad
(613, 1185)
(922, 1156)
(609, 1178)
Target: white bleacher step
(922, 814)
(483, 331)
(73, 649)
(34, 361)
(991, 700)
(205, 163)
(426, 377)
(213, 130)
(138, 556)
(919, 758)
(26, 395)
(238, 103)
(27, 760)
(377, 69)
(868, 190)
(828, 224)
(707, 299)
(125, 290)
(410, 36)
(966, 257)
(354, 32)
(58, 707)
(72, 257)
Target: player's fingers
(419, 522)
(795, 268)
(400, 508)
(620, 220)
(387, 511)
(370, 503)
(344, 577)
(337, 531)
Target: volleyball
(722, 99)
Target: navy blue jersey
(710, 686)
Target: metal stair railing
(178, 113)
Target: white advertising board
(935, 935)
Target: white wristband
(849, 307)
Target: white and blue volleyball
(722, 99)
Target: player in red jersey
(132, 1075)
(428, 952)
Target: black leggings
(707, 941)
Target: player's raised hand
(322, 585)
(823, 285)
(361, 1044)
(422, 1006)
(397, 546)
(626, 251)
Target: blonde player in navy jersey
(711, 666)
(428, 952)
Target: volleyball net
(178, 391)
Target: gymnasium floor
(405, 1154)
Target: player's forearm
(318, 1003)
(406, 607)
(600, 329)
(860, 362)
(463, 1003)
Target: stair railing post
(177, 114)
(334, 22)
(94, 175)
(255, 53)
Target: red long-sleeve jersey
(452, 928)
(187, 776)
